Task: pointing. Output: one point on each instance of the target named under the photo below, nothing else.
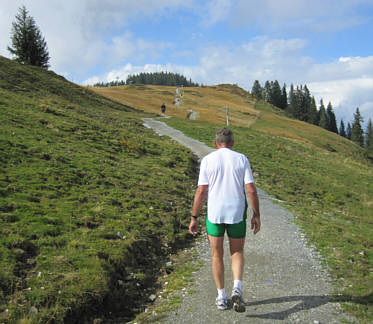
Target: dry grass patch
(208, 102)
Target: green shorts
(237, 230)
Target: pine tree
(348, 131)
(312, 113)
(284, 98)
(267, 91)
(332, 122)
(305, 103)
(323, 118)
(276, 94)
(28, 44)
(357, 134)
(297, 103)
(257, 91)
(342, 130)
(292, 101)
(369, 137)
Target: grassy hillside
(325, 179)
(209, 102)
(90, 201)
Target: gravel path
(284, 281)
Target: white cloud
(262, 58)
(347, 83)
(338, 92)
(216, 11)
(342, 68)
(346, 95)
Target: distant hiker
(163, 109)
(223, 176)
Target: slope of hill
(325, 179)
(90, 201)
(209, 103)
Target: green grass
(331, 194)
(91, 201)
(176, 281)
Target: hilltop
(85, 227)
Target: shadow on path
(305, 303)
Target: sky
(326, 44)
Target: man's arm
(199, 199)
(254, 201)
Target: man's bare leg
(236, 247)
(217, 252)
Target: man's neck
(224, 146)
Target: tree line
(298, 103)
(155, 78)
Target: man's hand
(255, 224)
(199, 199)
(254, 200)
(193, 226)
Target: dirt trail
(198, 148)
(284, 281)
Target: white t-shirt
(225, 172)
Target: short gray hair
(224, 136)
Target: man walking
(163, 109)
(223, 176)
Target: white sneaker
(238, 303)
(221, 303)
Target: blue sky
(326, 44)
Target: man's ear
(215, 144)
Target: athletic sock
(237, 284)
(221, 294)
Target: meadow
(92, 203)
